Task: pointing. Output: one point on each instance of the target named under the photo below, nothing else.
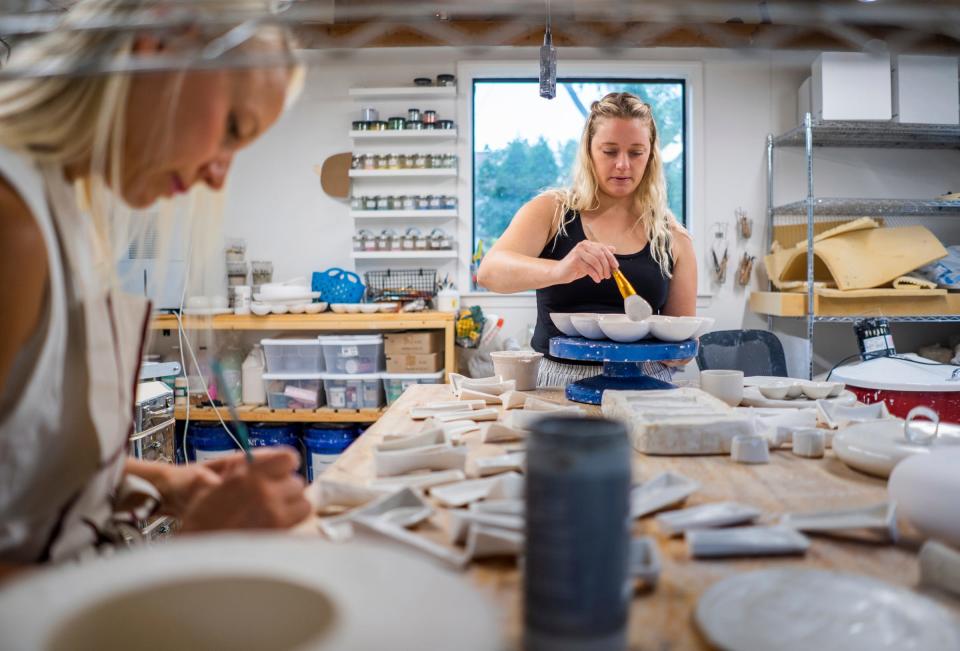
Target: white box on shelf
(394, 384)
(360, 391)
(851, 86)
(293, 390)
(925, 89)
(352, 354)
(804, 103)
(293, 355)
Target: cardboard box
(925, 90)
(851, 86)
(424, 363)
(413, 343)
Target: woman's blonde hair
(78, 118)
(650, 197)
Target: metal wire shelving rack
(887, 135)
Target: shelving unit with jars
(403, 177)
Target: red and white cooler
(903, 385)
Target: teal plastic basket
(337, 285)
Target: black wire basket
(401, 284)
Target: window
(523, 144)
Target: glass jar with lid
(393, 161)
(421, 161)
(370, 203)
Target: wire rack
(401, 284)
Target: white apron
(68, 410)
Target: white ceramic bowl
(298, 308)
(562, 321)
(619, 327)
(316, 308)
(352, 308)
(775, 390)
(368, 308)
(795, 391)
(674, 328)
(387, 307)
(817, 390)
(260, 309)
(279, 308)
(339, 308)
(707, 323)
(586, 325)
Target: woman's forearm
(507, 272)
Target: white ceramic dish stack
(622, 329)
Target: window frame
(690, 72)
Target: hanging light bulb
(548, 63)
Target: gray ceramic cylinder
(577, 535)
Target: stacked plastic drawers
(353, 367)
(294, 374)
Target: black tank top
(584, 295)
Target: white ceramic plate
(276, 591)
(800, 609)
(586, 325)
(562, 321)
(875, 447)
(753, 398)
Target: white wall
(274, 199)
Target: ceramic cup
(749, 449)
(518, 365)
(723, 385)
(809, 442)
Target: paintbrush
(239, 426)
(634, 305)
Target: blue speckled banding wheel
(622, 369)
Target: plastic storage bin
(395, 384)
(324, 444)
(293, 355)
(293, 390)
(353, 391)
(354, 354)
(205, 442)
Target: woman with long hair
(565, 243)
(78, 152)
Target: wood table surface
(662, 618)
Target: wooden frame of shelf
(262, 414)
(320, 323)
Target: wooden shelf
(326, 322)
(405, 92)
(266, 415)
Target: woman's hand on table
(587, 259)
(262, 494)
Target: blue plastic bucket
(208, 441)
(274, 434)
(324, 444)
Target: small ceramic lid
(893, 374)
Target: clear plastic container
(346, 391)
(352, 353)
(395, 384)
(293, 355)
(293, 390)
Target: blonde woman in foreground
(76, 153)
(619, 197)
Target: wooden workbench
(663, 618)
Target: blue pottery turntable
(622, 364)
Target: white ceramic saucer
(246, 592)
(800, 609)
(875, 447)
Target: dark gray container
(576, 594)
